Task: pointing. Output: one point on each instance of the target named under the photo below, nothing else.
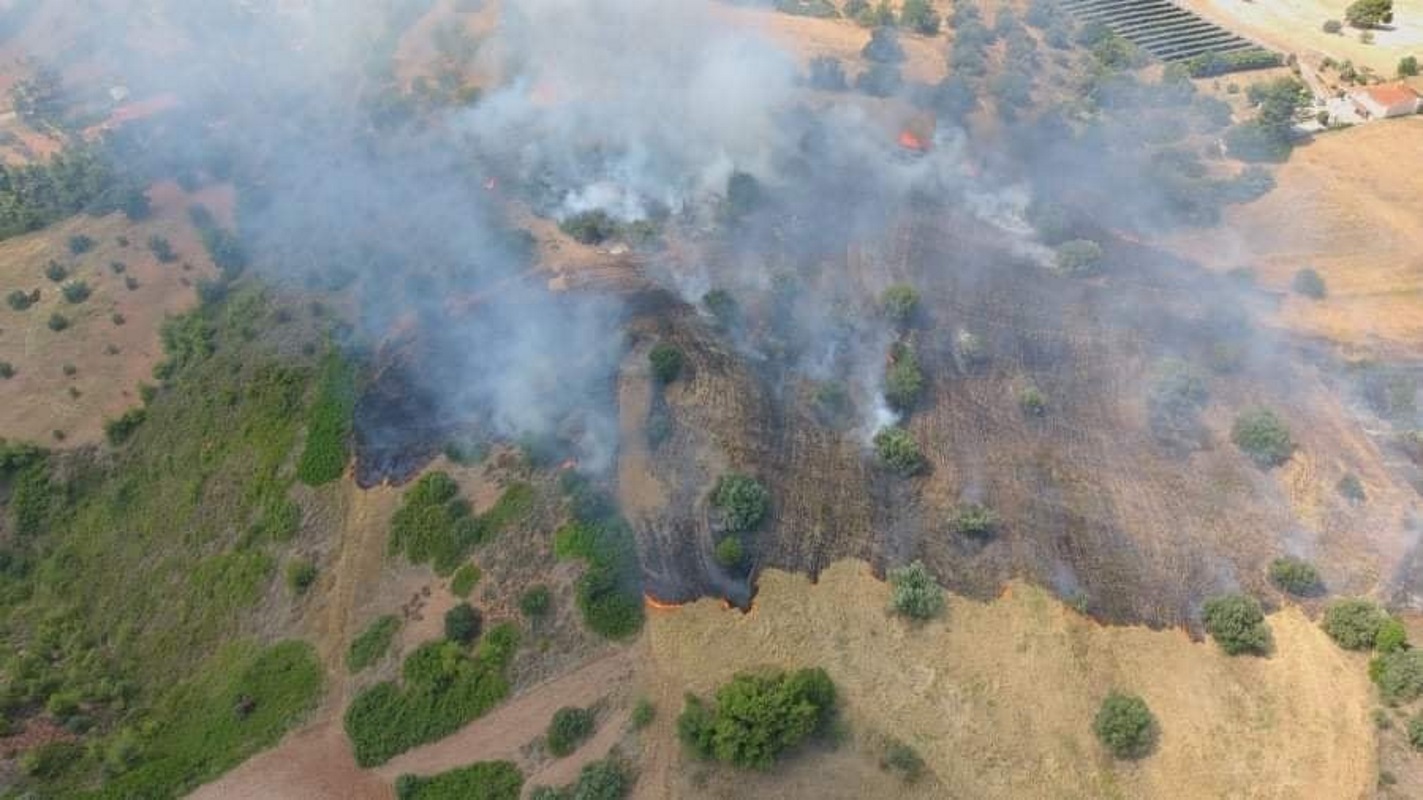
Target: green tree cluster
(758, 716)
(741, 501)
(1237, 624)
(1125, 726)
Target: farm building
(1389, 100)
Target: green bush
(58, 322)
(301, 574)
(974, 519)
(1125, 726)
(536, 601)
(900, 303)
(80, 244)
(121, 428)
(19, 300)
(900, 758)
(75, 292)
(722, 306)
(486, 780)
(608, 593)
(1415, 732)
(730, 552)
(1399, 675)
(7, 370)
(758, 716)
(444, 688)
(1408, 67)
(464, 580)
(434, 525)
(328, 425)
(1309, 283)
(56, 271)
(741, 500)
(1032, 401)
(642, 713)
(463, 624)
(1354, 623)
(1237, 624)
(569, 728)
(590, 227)
(373, 643)
(1296, 576)
(666, 362)
(904, 381)
(1351, 488)
(1263, 436)
(915, 592)
(920, 17)
(1081, 257)
(898, 451)
(162, 249)
(1392, 636)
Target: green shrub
(118, 430)
(1399, 675)
(536, 601)
(1351, 488)
(915, 592)
(590, 227)
(80, 244)
(464, 580)
(58, 322)
(56, 271)
(463, 624)
(444, 688)
(569, 728)
(1296, 576)
(898, 451)
(1392, 636)
(328, 425)
(75, 292)
(7, 370)
(1415, 732)
(642, 713)
(904, 381)
(1032, 401)
(974, 519)
(1125, 726)
(741, 500)
(162, 249)
(920, 17)
(433, 525)
(301, 574)
(1263, 436)
(900, 303)
(373, 643)
(1309, 283)
(1408, 67)
(722, 306)
(486, 780)
(1354, 623)
(730, 552)
(666, 362)
(1080, 257)
(1237, 624)
(758, 716)
(900, 758)
(19, 300)
(608, 594)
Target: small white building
(1387, 100)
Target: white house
(1389, 100)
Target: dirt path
(501, 733)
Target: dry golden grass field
(1297, 26)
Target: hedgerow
(443, 688)
(328, 427)
(487, 780)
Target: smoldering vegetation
(1063, 372)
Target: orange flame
(910, 140)
(571, 463)
(658, 605)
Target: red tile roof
(1391, 95)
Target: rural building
(1390, 100)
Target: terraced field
(1169, 32)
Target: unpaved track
(501, 733)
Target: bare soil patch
(999, 697)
